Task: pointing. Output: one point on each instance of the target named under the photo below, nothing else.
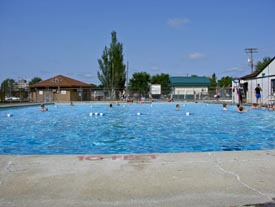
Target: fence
(137, 95)
(14, 95)
(121, 94)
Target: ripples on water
(160, 128)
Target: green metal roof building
(189, 87)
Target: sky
(45, 38)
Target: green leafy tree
(35, 80)
(163, 80)
(112, 74)
(139, 83)
(213, 82)
(7, 86)
(260, 65)
(225, 82)
(7, 83)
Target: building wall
(48, 96)
(195, 92)
(63, 95)
(190, 90)
(265, 80)
(42, 96)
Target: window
(273, 86)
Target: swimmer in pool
(241, 109)
(224, 107)
(43, 107)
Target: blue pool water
(159, 128)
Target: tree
(163, 80)
(112, 74)
(225, 81)
(35, 80)
(7, 85)
(140, 83)
(213, 81)
(260, 65)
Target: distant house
(266, 79)
(60, 89)
(189, 87)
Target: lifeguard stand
(238, 92)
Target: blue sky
(44, 38)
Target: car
(12, 98)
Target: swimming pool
(135, 128)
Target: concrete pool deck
(211, 179)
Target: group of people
(240, 108)
(258, 96)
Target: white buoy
(91, 114)
(187, 113)
(138, 113)
(101, 114)
(9, 115)
(96, 113)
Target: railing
(135, 95)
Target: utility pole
(113, 70)
(250, 60)
(127, 72)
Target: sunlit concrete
(180, 179)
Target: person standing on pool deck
(258, 93)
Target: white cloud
(155, 68)
(88, 75)
(196, 55)
(232, 70)
(177, 22)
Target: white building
(266, 79)
(189, 87)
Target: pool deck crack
(238, 178)
(9, 167)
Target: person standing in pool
(258, 90)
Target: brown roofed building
(60, 89)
